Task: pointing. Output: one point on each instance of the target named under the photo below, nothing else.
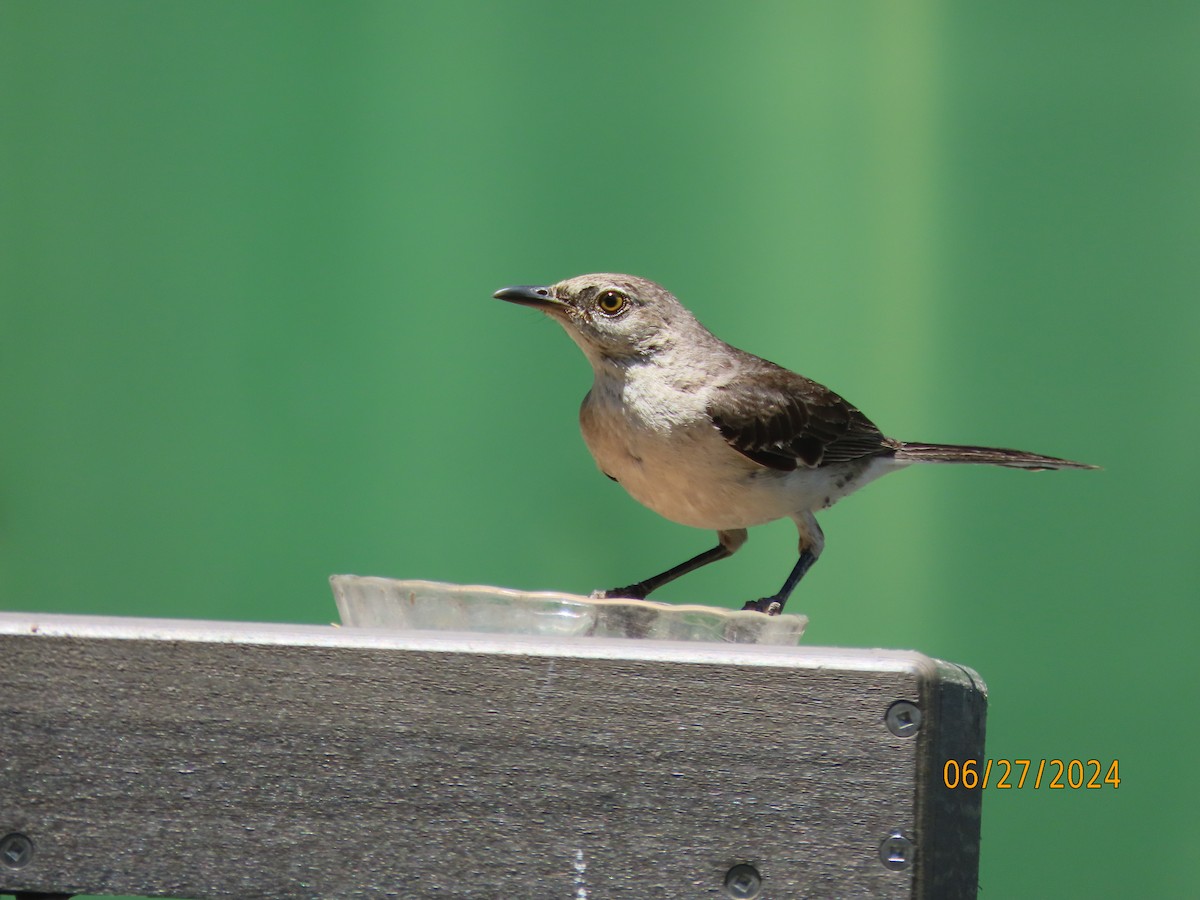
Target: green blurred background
(248, 339)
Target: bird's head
(615, 318)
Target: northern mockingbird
(714, 437)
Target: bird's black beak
(528, 295)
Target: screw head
(897, 851)
(903, 718)
(16, 850)
(743, 882)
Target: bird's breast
(671, 458)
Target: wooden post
(200, 759)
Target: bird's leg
(773, 605)
(812, 541)
(730, 541)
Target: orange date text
(1051, 774)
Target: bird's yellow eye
(611, 302)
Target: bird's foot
(772, 606)
(631, 592)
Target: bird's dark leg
(812, 541)
(730, 542)
(773, 605)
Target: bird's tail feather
(992, 456)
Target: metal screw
(897, 851)
(16, 850)
(743, 882)
(903, 718)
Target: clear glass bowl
(370, 602)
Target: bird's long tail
(992, 456)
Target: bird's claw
(769, 605)
(631, 592)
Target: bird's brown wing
(784, 421)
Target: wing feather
(784, 421)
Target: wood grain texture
(220, 760)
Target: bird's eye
(611, 302)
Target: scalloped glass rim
(366, 601)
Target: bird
(713, 437)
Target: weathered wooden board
(193, 759)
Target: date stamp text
(1018, 774)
